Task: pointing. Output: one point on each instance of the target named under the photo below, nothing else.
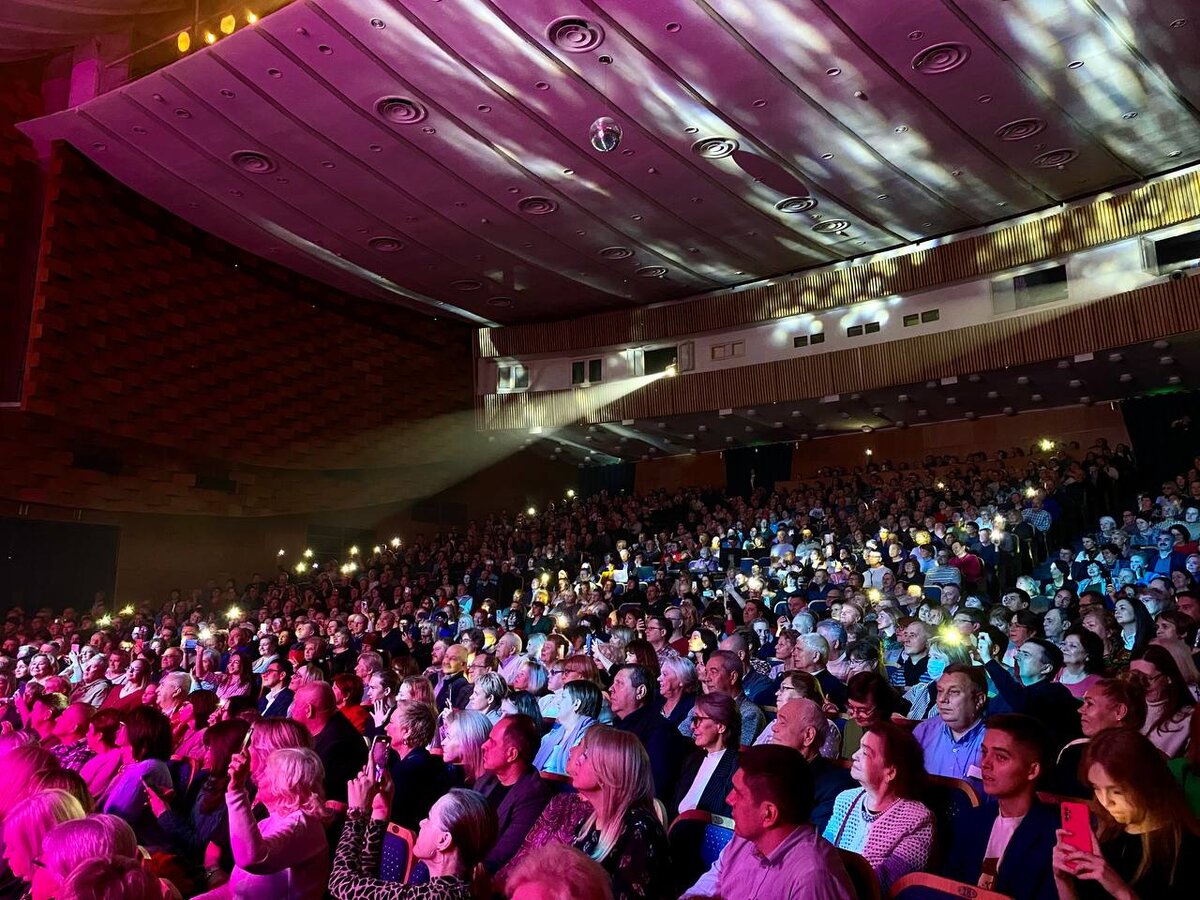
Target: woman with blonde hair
(22, 768)
(286, 854)
(27, 824)
(271, 735)
(490, 691)
(624, 833)
(463, 734)
(73, 842)
(116, 878)
(558, 872)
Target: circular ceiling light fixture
(253, 162)
(574, 34)
(1052, 159)
(652, 271)
(385, 244)
(715, 147)
(537, 206)
(400, 110)
(616, 253)
(831, 226)
(793, 205)
(1020, 129)
(941, 58)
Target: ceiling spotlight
(1161, 345)
(1125, 378)
(183, 42)
(251, 18)
(1023, 380)
(1036, 398)
(209, 37)
(1166, 360)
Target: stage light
(209, 37)
(184, 42)
(228, 24)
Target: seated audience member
(25, 827)
(775, 852)
(952, 742)
(943, 653)
(797, 685)
(1035, 693)
(144, 739)
(678, 685)
(558, 872)
(286, 854)
(523, 703)
(811, 655)
(381, 692)
(71, 728)
(107, 758)
(912, 667)
(109, 879)
(611, 771)
(512, 786)
(1083, 661)
(337, 742)
(44, 712)
(1109, 703)
(884, 820)
(869, 699)
(633, 710)
(458, 831)
(724, 672)
(454, 688)
(1005, 845)
(1168, 701)
(277, 697)
(347, 694)
(757, 687)
(201, 817)
(74, 842)
(419, 777)
(578, 710)
(1147, 841)
(801, 724)
(464, 732)
(705, 777)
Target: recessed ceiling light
(901, 129)
(833, 71)
(1178, 23)
(1132, 114)
(826, 156)
(1075, 64)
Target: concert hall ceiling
(439, 153)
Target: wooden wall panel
(1159, 310)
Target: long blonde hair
(622, 768)
(472, 729)
(28, 822)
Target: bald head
(802, 725)
(314, 705)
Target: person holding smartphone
(1145, 844)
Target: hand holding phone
(1077, 826)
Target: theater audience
(144, 741)
(633, 710)
(1005, 845)
(678, 685)
(885, 820)
(775, 851)
(706, 773)
(578, 710)
(464, 732)
(419, 777)
(558, 872)
(286, 854)
(25, 827)
(512, 786)
(1168, 701)
(802, 725)
(1109, 703)
(337, 742)
(1147, 843)
(952, 742)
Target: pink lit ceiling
(29, 28)
(436, 152)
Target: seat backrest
(862, 876)
(697, 839)
(922, 886)
(932, 592)
(396, 858)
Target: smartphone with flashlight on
(246, 740)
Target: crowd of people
(981, 668)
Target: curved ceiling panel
(444, 155)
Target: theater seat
(697, 839)
(947, 797)
(396, 858)
(921, 886)
(862, 876)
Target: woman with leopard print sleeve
(455, 837)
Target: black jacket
(420, 779)
(279, 707)
(517, 811)
(343, 752)
(664, 745)
(712, 800)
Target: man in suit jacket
(512, 786)
(419, 777)
(277, 696)
(633, 709)
(1006, 844)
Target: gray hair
(804, 622)
(182, 681)
(538, 676)
(817, 644)
(684, 671)
(832, 631)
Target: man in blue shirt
(953, 740)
